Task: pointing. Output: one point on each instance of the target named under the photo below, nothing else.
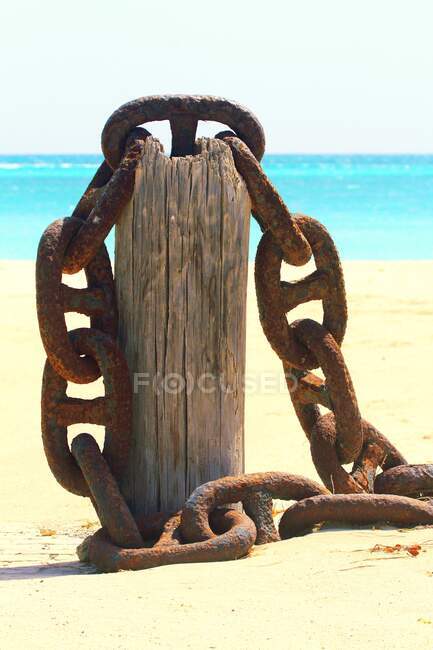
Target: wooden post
(181, 280)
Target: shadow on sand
(43, 571)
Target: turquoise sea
(375, 206)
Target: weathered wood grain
(181, 278)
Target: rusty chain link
(113, 410)
(205, 530)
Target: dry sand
(325, 590)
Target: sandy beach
(324, 590)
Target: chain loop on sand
(233, 489)
(234, 536)
(354, 509)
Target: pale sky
(321, 75)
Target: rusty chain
(205, 530)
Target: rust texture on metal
(53, 299)
(234, 535)
(108, 207)
(347, 419)
(172, 107)
(110, 505)
(409, 480)
(113, 410)
(88, 200)
(276, 298)
(267, 204)
(381, 485)
(232, 489)
(377, 452)
(354, 509)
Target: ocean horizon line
(267, 153)
(375, 206)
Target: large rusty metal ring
(339, 385)
(235, 535)
(183, 111)
(113, 411)
(110, 201)
(109, 503)
(407, 480)
(53, 299)
(93, 191)
(255, 491)
(354, 509)
(377, 452)
(276, 298)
